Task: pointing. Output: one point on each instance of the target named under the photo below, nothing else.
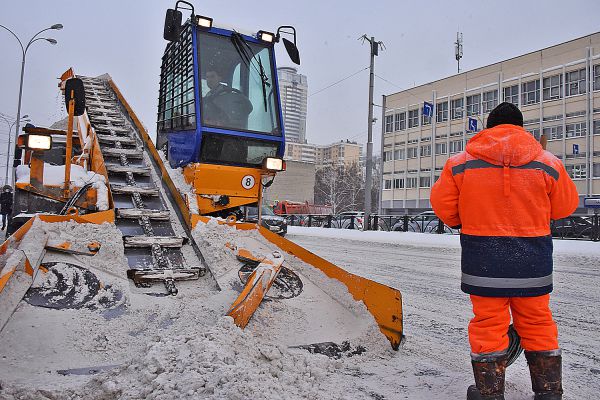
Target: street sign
(472, 125)
(428, 109)
(591, 202)
(575, 148)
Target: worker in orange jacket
(502, 192)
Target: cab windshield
(237, 85)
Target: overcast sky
(124, 39)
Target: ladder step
(111, 129)
(135, 213)
(132, 153)
(148, 241)
(129, 168)
(147, 191)
(114, 139)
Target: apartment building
(339, 153)
(303, 152)
(293, 89)
(556, 88)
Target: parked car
(572, 228)
(425, 222)
(269, 220)
(348, 220)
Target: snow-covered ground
(426, 269)
(183, 348)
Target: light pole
(34, 39)
(24, 118)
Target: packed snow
(54, 175)
(183, 347)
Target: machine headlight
(38, 142)
(274, 164)
(266, 36)
(204, 22)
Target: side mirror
(74, 90)
(292, 51)
(172, 29)
(290, 46)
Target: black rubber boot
(545, 368)
(489, 379)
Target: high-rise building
(339, 153)
(303, 152)
(557, 89)
(293, 89)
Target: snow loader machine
(220, 141)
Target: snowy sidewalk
(561, 246)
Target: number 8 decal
(248, 182)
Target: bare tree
(341, 187)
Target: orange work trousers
(531, 316)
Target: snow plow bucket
(382, 302)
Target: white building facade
(557, 89)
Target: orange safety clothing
(504, 184)
(503, 191)
(532, 319)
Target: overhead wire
(338, 82)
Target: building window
(389, 123)
(413, 118)
(575, 130)
(387, 184)
(457, 108)
(535, 133)
(577, 171)
(456, 146)
(400, 121)
(597, 77)
(575, 81)
(553, 87)
(425, 181)
(473, 103)
(597, 127)
(596, 170)
(426, 150)
(441, 148)
(411, 183)
(511, 94)
(399, 154)
(553, 132)
(442, 112)
(387, 156)
(412, 152)
(399, 183)
(490, 100)
(530, 92)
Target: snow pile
(54, 175)
(186, 190)
(223, 362)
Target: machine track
(157, 246)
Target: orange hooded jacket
(504, 184)
(503, 191)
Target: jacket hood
(504, 145)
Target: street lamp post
(24, 118)
(34, 39)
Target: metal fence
(573, 227)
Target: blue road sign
(575, 149)
(472, 125)
(428, 109)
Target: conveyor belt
(155, 252)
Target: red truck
(292, 207)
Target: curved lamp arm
(16, 37)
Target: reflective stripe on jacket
(503, 190)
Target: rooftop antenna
(458, 49)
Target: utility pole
(458, 49)
(369, 165)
